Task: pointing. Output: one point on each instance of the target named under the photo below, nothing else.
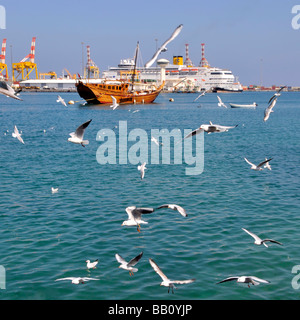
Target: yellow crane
(51, 74)
(25, 66)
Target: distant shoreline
(164, 91)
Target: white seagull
(8, 90)
(258, 167)
(277, 94)
(54, 190)
(77, 280)
(135, 216)
(164, 45)
(246, 279)
(174, 207)
(17, 134)
(156, 141)
(129, 265)
(166, 281)
(91, 265)
(221, 103)
(77, 136)
(142, 168)
(115, 104)
(200, 95)
(61, 100)
(258, 241)
(269, 109)
(209, 128)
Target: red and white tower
(2, 56)
(31, 55)
(203, 63)
(3, 66)
(88, 56)
(188, 62)
(91, 67)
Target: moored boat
(122, 90)
(253, 105)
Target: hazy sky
(255, 39)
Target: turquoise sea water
(45, 236)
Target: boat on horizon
(253, 105)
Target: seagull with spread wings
(221, 103)
(246, 279)
(17, 134)
(164, 46)
(77, 280)
(129, 265)
(269, 109)
(77, 136)
(258, 241)
(166, 281)
(115, 104)
(142, 168)
(135, 216)
(260, 166)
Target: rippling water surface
(45, 236)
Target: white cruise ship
(179, 77)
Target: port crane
(69, 74)
(91, 68)
(25, 66)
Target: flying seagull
(91, 265)
(142, 168)
(277, 94)
(164, 45)
(135, 216)
(221, 103)
(258, 241)
(8, 90)
(115, 104)
(174, 207)
(258, 167)
(61, 100)
(269, 109)
(209, 128)
(129, 265)
(166, 281)
(200, 95)
(17, 134)
(246, 279)
(77, 136)
(77, 280)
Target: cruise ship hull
(220, 89)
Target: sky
(255, 39)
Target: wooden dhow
(123, 90)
